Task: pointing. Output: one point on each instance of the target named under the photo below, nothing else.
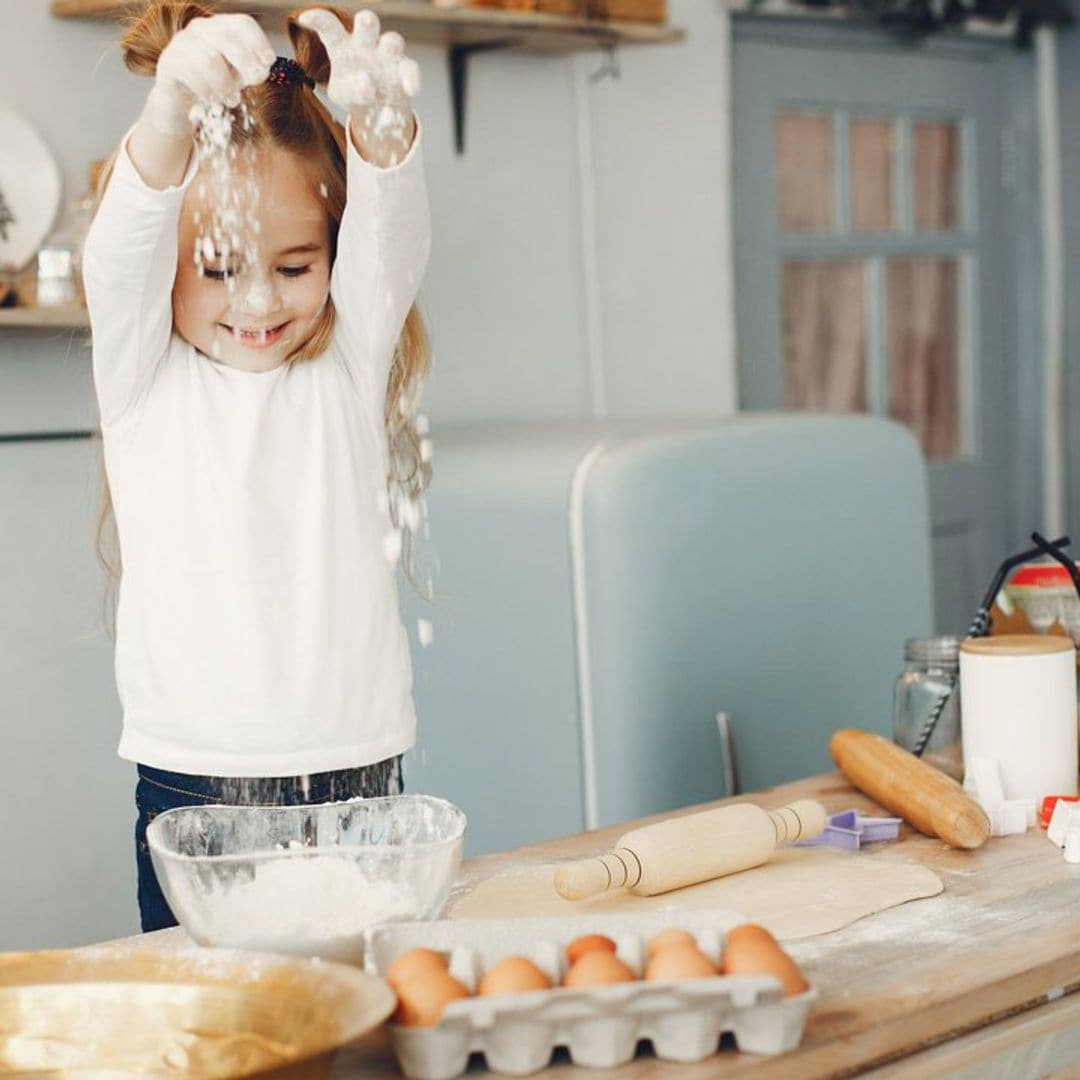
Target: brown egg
(512, 975)
(670, 936)
(413, 962)
(588, 943)
(751, 950)
(597, 968)
(422, 999)
(679, 961)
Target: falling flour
(227, 232)
(316, 905)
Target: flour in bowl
(314, 905)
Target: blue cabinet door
(67, 801)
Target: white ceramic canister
(1019, 707)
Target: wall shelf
(463, 31)
(419, 20)
(60, 317)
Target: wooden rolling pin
(931, 801)
(696, 847)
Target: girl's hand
(372, 79)
(211, 59)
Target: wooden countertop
(1002, 939)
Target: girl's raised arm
(385, 234)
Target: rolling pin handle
(588, 877)
(801, 820)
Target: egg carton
(600, 1027)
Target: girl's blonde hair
(292, 118)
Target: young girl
(253, 408)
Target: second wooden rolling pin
(931, 801)
(695, 847)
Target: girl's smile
(261, 337)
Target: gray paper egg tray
(600, 1027)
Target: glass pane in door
(923, 351)
(804, 171)
(823, 310)
(871, 140)
(935, 175)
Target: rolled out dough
(799, 893)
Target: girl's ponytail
(153, 28)
(307, 46)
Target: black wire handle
(1052, 548)
(980, 625)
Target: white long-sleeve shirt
(258, 630)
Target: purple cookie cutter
(850, 830)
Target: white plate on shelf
(30, 188)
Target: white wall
(507, 292)
(580, 267)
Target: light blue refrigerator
(604, 590)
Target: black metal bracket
(610, 68)
(47, 436)
(459, 67)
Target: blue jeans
(158, 790)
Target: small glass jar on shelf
(59, 260)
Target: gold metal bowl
(193, 1012)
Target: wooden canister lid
(1018, 645)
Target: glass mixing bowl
(308, 880)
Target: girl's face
(253, 315)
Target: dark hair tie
(287, 72)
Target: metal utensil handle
(931, 723)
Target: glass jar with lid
(928, 691)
